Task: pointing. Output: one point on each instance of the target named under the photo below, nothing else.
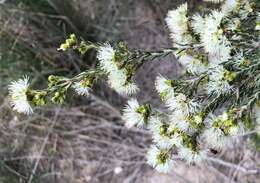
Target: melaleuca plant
(211, 103)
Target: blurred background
(85, 140)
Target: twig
(237, 167)
(43, 147)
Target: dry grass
(74, 144)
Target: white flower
(214, 1)
(214, 41)
(159, 159)
(117, 78)
(198, 24)
(229, 6)
(190, 156)
(118, 81)
(221, 53)
(217, 82)
(243, 12)
(177, 22)
(177, 102)
(179, 119)
(161, 134)
(131, 115)
(163, 86)
(237, 130)
(216, 138)
(18, 91)
(80, 88)
(182, 104)
(106, 56)
(192, 65)
(181, 108)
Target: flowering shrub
(215, 100)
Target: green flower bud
(37, 98)
(245, 62)
(64, 47)
(59, 97)
(83, 48)
(72, 40)
(229, 75)
(87, 82)
(73, 37)
(53, 80)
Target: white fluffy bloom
(179, 119)
(229, 6)
(80, 88)
(161, 134)
(243, 12)
(197, 24)
(17, 90)
(237, 130)
(177, 22)
(221, 53)
(212, 36)
(192, 65)
(106, 56)
(214, 1)
(216, 138)
(190, 156)
(117, 78)
(217, 82)
(242, 7)
(177, 102)
(131, 116)
(214, 41)
(163, 86)
(159, 159)
(181, 103)
(118, 81)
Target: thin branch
(43, 147)
(235, 166)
